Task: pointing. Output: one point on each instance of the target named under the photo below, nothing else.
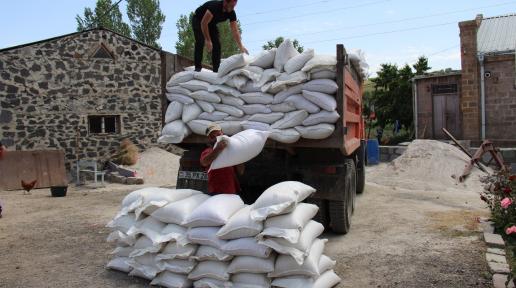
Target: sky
(387, 31)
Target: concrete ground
(399, 238)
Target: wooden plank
(46, 166)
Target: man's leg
(199, 45)
(215, 53)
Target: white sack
(255, 125)
(285, 52)
(287, 266)
(208, 253)
(215, 211)
(326, 86)
(290, 120)
(173, 232)
(240, 225)
(268, 118)
(287, 136)
(249, 264)
(123, 223)
(233, 111)
(322, 117)
(195, 85)
(283, 107)
(210, 269)
(199, 126)
(250, 280)
(215, 116)
(298, 219)
(204, 95)
(257, 98)
(246, 247)
(206, 236)
(266, 59)
(177, 212)
(281, 96)
(250, 86)
(180, 77)
(150, 227)
(319, 131)
(174, 111)
(178, 90)
(208, 76)
(224, 90)
(298, 62)
(119, 264)
(325, 101)
(211, 283)
(301, 103)
(145, 265)
(174, 132)
(230, 127)
(179, 266)
(122, 251)
(324, 74)
(268, 75)
(237, 82)
(241, 148)
(205, 106)
(280, 199)
(252, 109)
(174, 250)
(191, 112)
(231, 63)
(232, 101)
(180, 98)
(171, 280)
(144, 246)
(320, 62)
(326, 264)
(121, 239)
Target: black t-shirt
(217, 9)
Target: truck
(334, 166)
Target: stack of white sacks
(184, 238)
(289, 93)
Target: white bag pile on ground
(265, 88)
(184, 238)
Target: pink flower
(510, 230)
(506, 202)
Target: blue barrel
(373, 152)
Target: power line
(381, 33)
(397, 21)
(317, 13)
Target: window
(104, 124)
(103, 53)
(444, 89)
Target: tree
(185, 44)
(106, 15)
(421, 65)
(277, 42)
(146, 20)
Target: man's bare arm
(237, 37)
(206, 161)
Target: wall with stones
(48, 89)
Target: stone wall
(500, 98)
(48, 89)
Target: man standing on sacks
(223, 180)
(204, 23)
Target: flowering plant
(500, 195)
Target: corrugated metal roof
(497, 34)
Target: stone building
(83, 92)
(486, 86)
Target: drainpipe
(482, 96)
(414, 89)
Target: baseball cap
(212, 127)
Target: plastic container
(58, 191)
(373, 152)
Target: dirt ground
(399, 238)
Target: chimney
(479, 19)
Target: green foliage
(101, 18)
(277, 42)
(146, 20)
(185, 44)
(392, 96)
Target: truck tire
(341, 211)
(322, 215)
(361, 158)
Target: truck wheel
(361, 158)
(341, 211)
(322, 215)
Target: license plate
(192, 175)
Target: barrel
(373, 152)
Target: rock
(115, 178)
(496, 251)
(499, 281)
(496, 258)
(498, 268)
(494, 240)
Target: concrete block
(496, 258)
(134, 181)
(499, 281)
(385, 158)
(500, 268)
(496, 251)
(487, 227)
(400, 151)
(494, 240)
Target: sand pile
(157, 167)
(427, 165)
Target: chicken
(28, 186)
